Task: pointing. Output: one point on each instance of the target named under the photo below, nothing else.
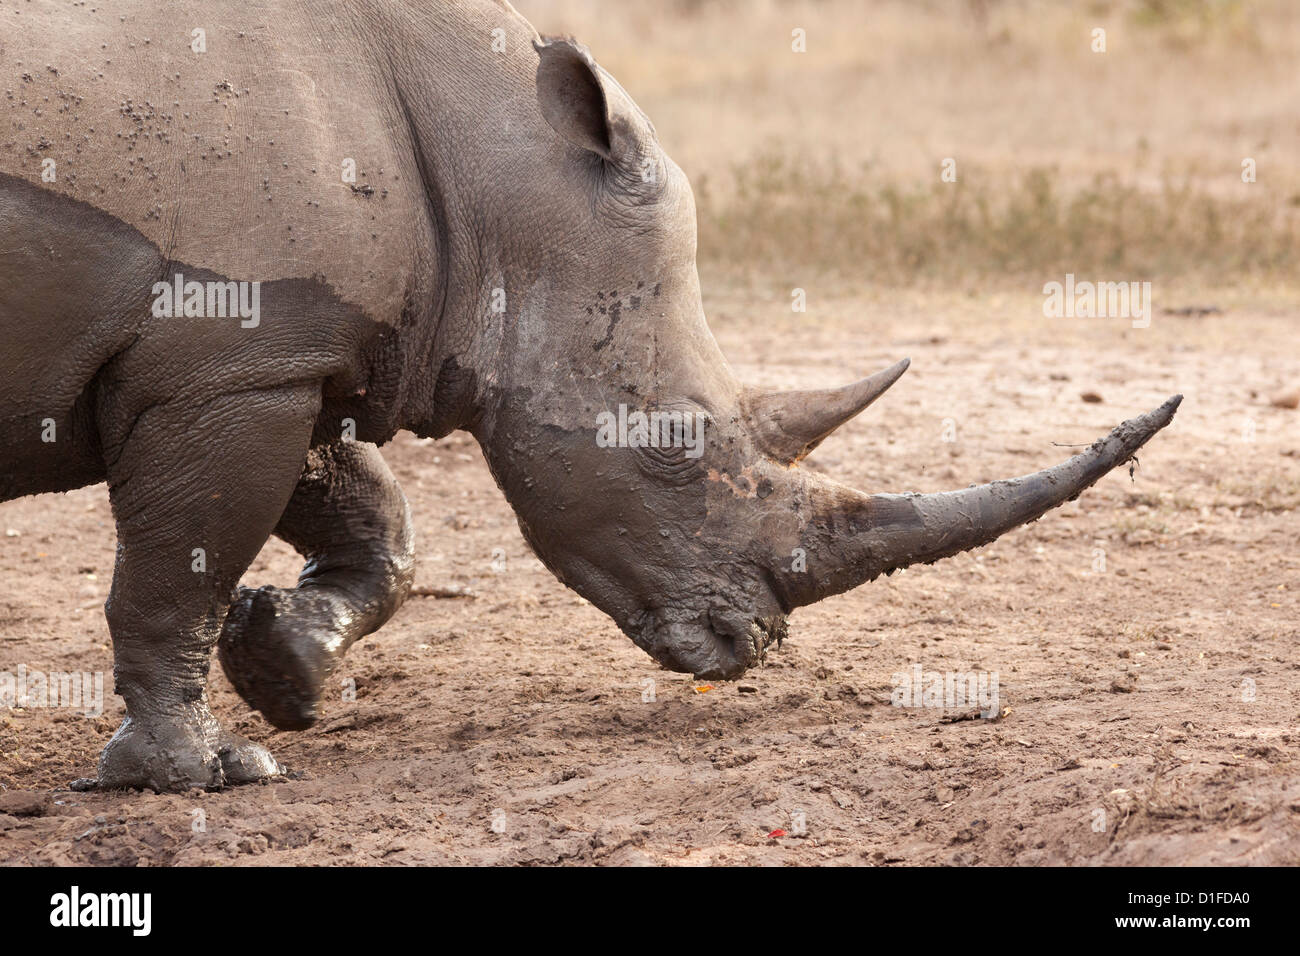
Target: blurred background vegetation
(1125, 164)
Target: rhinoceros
(243, 244)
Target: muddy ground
(1151, 703)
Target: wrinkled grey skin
(525, 178)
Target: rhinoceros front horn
(851, 538)
(788, 425)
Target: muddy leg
(350, 520)
(196, 491)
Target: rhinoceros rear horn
(788, 425)
(589, 110)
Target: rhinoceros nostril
(718, 645)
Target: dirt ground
(1144, 638)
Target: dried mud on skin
(1126, 739)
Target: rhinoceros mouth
(715, 645)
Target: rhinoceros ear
(588, 108)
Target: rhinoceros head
(643, 473)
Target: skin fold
(514, 256)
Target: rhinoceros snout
(711, 646)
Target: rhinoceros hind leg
(192, 513)
(349, 518)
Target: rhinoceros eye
(674, 442)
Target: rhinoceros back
(249, 139)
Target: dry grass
(1124, 164)
(1276, 491)
(809, 217)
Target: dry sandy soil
(1126, 738)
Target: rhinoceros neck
(463, 93)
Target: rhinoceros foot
(243, 761)
(179, 752)
(278, 647)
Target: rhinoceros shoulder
(233, 138)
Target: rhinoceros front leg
(196, 489)
(349, 518)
